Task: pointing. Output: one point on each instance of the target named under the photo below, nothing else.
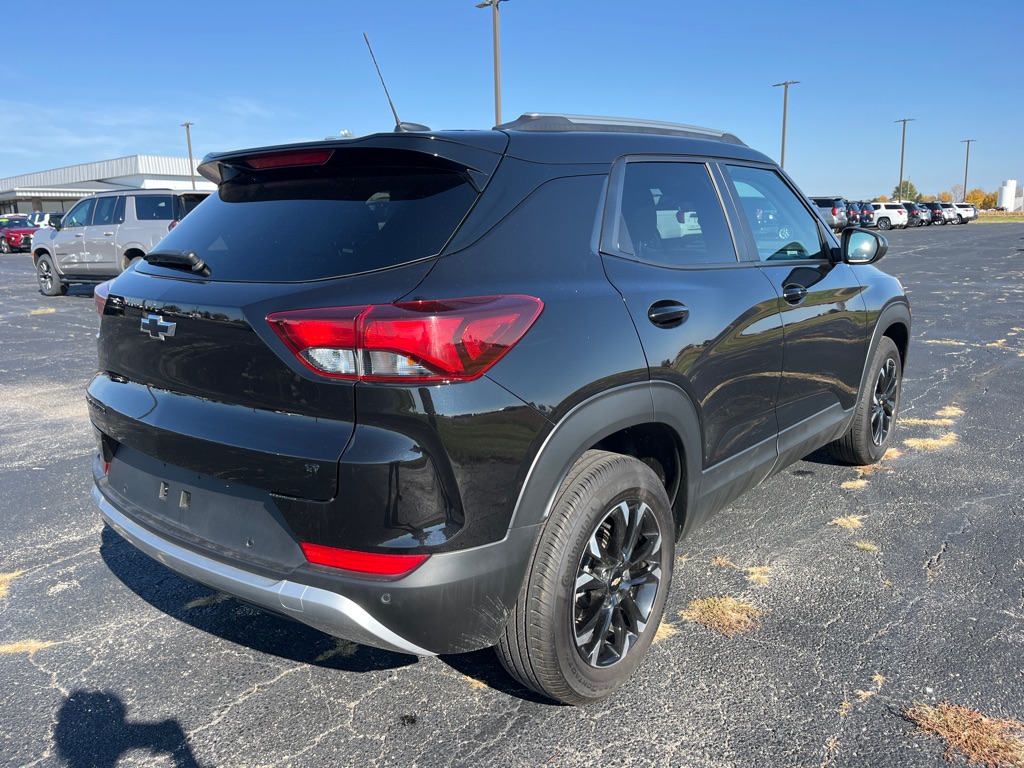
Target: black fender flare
(895, 313)
(598, 417)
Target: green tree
(909, 191)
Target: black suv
(479, 395)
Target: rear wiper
(184, 260)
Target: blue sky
(119, 78)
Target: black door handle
(793, 293)
(667, 313)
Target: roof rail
(538, 121)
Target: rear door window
(359, 213)
(671, 215)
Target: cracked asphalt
(107, 658)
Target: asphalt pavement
(107, 658)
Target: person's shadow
(92, 732)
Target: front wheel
(884, 224)
(49, 283)
(870, 433)
(5, 247)
(596, 588)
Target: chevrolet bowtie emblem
(157, 327)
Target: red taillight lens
(99, 295)
(362, 562)
(289, 159)
(454, 339)
(835, 211)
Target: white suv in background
(104, 233)
(890, 215)
(965, 212)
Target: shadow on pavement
(92, 732)
(219, 615)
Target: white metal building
(1011, 197)
(58, 189)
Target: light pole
(967, 162)
(191, 166)
(497, 57)
(903, 146)
(785, 108)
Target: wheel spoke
(600, 635)
(587, 581)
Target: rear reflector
(289, 159)
(362, 562)
(450, 340)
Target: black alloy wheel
(596, 589)
(874, 420)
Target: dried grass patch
(932, 443)
(987, 741)
(865, 546)
(950, 411)
(927, 422)
(25, 646)
(665, 631)
(854, 485)
(722, 562)
(759, 574)
(725, 615)
(947, 342)
(5, 582)
(849, 522)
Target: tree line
(955, 194)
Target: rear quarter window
(154, 207)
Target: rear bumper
(455, 602)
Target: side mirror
(861, 246)
(55, 223)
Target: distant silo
(1007, 195)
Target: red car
(15, 233)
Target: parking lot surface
(880, 587)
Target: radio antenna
(400, 127)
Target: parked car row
(839, 213)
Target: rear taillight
(450, 340)
(370, 563)
(835, 211)
(99, 295)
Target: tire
(959, 219)
(583, 622)
(874, 420)
(49, 282)
(884, 224)
(5, 247)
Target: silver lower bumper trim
(327, 611)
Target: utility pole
(785, 108)
(191, 166)
(903, 146)
(966, 164)
(497, 57)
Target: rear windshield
(300, 224)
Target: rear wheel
(49, 282)
(596, 589)
(870, 433)
(884, 224)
